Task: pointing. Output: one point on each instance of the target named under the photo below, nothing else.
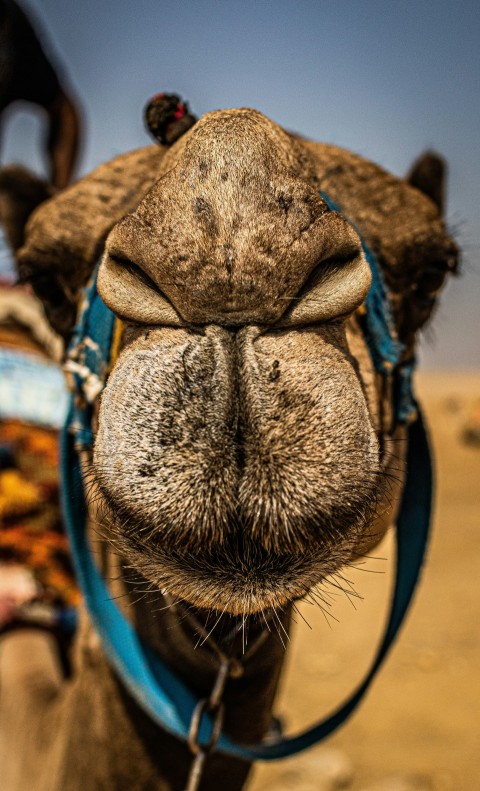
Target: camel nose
(318, 275)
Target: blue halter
(152, 684)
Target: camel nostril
(130, 266)
(132, 294)
(334, 290)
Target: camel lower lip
(238, 574)
(238, 581)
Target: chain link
(196, 772)
(213, 705)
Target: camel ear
(65, 236)
(428, 174)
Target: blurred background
(386, 80)
(382, 78)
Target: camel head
(245, 447)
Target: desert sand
(419, 727)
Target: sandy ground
(419, 728)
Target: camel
(246, 447)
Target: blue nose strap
(156, 689)
(385, 349)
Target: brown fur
(256, 466)
(245, 446)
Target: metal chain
(230, 667)
(215, 707)
(196, 772)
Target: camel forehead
(242, 159)
(236, 160)
(234, 224)
(237, 140)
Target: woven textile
(31, 529)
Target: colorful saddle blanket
(37, 584)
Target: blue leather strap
(385, 348)
(156, 689)
(153, 685)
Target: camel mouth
(239, 579)
(244, 468)
(238, 576)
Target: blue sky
(385, 79)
